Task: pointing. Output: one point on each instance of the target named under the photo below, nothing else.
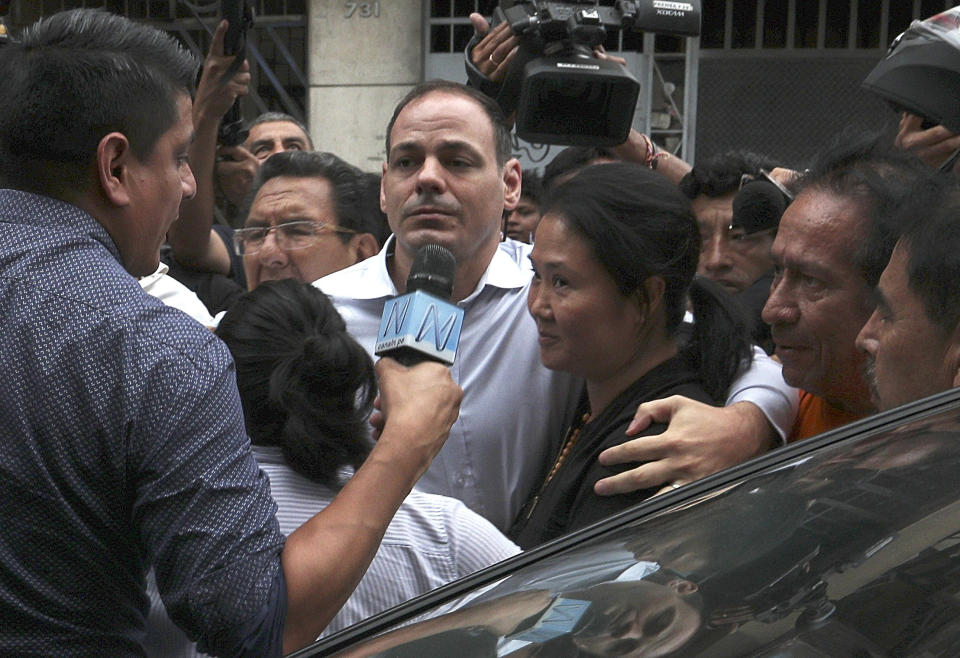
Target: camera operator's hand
(601, 53)
(932, 145)
(496, 50)
(214, 97)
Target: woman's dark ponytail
(719, 347)
(306, 385)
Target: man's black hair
(571, 160)
(720, 175)
(376, 216)
(868, 170)
(274, 117)
(501, 131)
(531, 185)
(930, 220)
(347, 182)
(73, 78)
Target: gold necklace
(568, 443)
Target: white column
(364, 55)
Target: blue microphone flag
(421, 323)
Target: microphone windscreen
(758, 206)
(432, 271)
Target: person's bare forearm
(190, 235)
(672, 168)
(342, 540)
(637, 149)
(325, 558)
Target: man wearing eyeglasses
(307, 219)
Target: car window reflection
(850, 551)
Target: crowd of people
(631, 324)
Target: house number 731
(362, 9)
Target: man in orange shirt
(833, 242)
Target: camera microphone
(422, 324)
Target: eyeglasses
(291, 235)
(949, 163)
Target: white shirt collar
(508, 269)
(145, 281)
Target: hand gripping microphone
(422, 325)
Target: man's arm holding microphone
(418, 404)
(324, 559)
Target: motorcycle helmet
(921, 71)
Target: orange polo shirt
(816, 415)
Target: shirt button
(460, 480)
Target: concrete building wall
(364, 56)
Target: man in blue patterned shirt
(122, 442)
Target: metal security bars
(277, 43)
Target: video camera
(561, 93)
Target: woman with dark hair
(614, 262)
(307, 388)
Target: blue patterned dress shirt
(122, 446)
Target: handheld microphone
(422, 325)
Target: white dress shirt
(173, 293)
